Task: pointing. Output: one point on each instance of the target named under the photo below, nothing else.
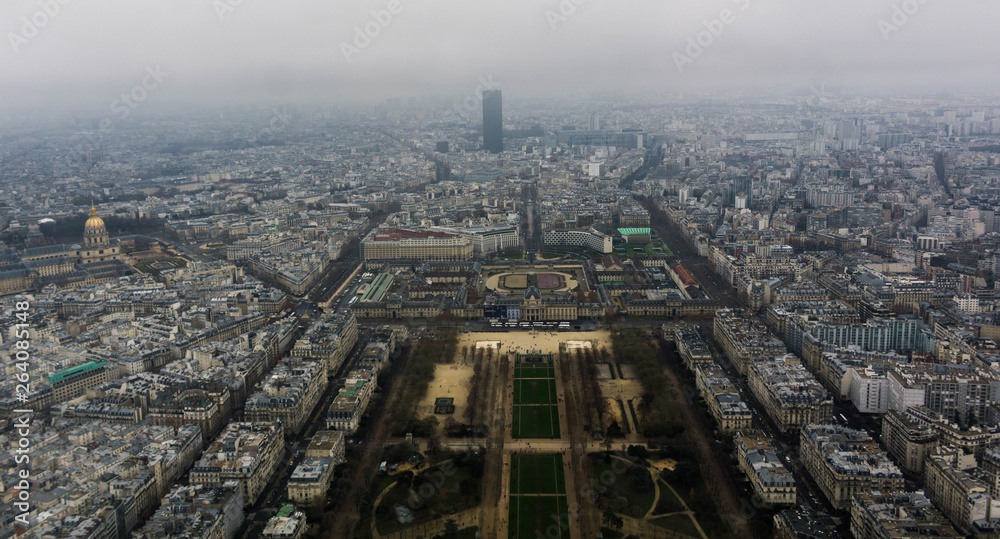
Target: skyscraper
(743, 185)
(492, 121)
(594, 123)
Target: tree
(685, 473)
(638, 451)
(613, 521)
(405, 479)
(468, 487)
(641, 479)
(433, 444)
(450, 530)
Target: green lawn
(515, 281)
(535, 372)
(531, 516)
(540, 391)
(677, 523)
(618, 481)
(537, 474)
(668, 503)
(535, 422)
(536, 414)
(446, 497)
(529, 359)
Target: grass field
(515, 281)
(536, 410)
(678, 524)
(534, 372)
(639, 498)
(535, 422)
(537, 474)
(534, 515)
(537, 496)
(540, 391)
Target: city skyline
(509, 270)
(305, 53)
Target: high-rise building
(743, 185)
(492, 121)
(594, 122)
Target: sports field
(537, 497)
(536, 405)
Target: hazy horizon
(86, 55)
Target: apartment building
(329, 339)
(971, 439)
(350, 404)
(196, 512)
(964, 392)
(954, 484)
(75, 381)
(691, 347)
(724, 400)
(327, 443)
(907, 440)
(869, 390)
(891, 515)
(310, 480)
(287, 523)
(789, 393)
(771, 480)
(246, 453)
(845, 461)
(289, 394)
(742, 337)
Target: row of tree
(657, 408)
(440, 348)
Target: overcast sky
(265, 51)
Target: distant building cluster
(847, 252)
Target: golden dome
(94, 221)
